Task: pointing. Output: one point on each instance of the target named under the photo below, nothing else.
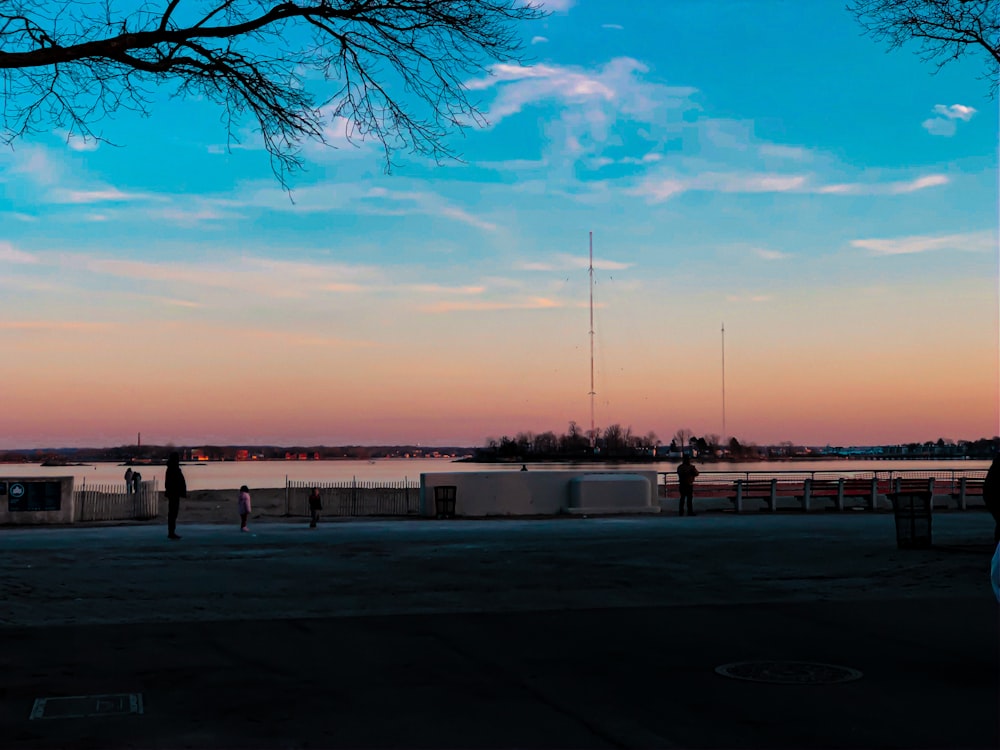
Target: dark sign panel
(34, 496)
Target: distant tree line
(159, 453)
(614, 442)
(620, 442)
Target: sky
(756, 164)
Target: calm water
(266, 474)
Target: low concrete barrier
(532, 493)
(598, 494)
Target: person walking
(128, 481)
(991, 495)
(686, 473)
(174, 487)
(244, 507)
(315, 506)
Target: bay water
(221, 475)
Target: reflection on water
(215, 475)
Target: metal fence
(946, 481)
(354, 498)
(113, 502)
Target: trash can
(912, 511)
(444, 500)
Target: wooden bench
(839, 489)
(967, 487)
(754, 489)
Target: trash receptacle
(912, 511)
(444, 501)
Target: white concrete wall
(65, 514)
(529, 493)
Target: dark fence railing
(946, 481)
(354, 498)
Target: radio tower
(724, 385)
(593, 393)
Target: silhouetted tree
(683, 436)
(395, 70)
(614, 438)
(944, 30)
(735, 449)
(546, 443)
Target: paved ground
(537, 634)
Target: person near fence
(244, 507)
(686, 473)
(174, 487)
(128, 481)
(136, 482)
(315, 506)
(991, 495)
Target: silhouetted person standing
(686, 473)
(991, 495)
(244, 507)
(174, 487)
(128, 481)
(315, 506)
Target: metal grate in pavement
(81, 706)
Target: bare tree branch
(394, 69)
(945, 30)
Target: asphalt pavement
(718, 631)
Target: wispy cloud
(886, 188)
(33, 163)
(441, 289)
(555, 6)
(770, 254)
(403, 202)
(76, 326)
(970, 242)
(658, 189)
(76, 142)
(536, 303)
(539, 40)
(567, 262)
(944, 124)
(18, 216)
(10, 254)
(613, 26)
(751, 298)
(102, 195)
(513, 165)
(356, 197)
(590, 104)
(195, 215)
(794, 153)
(260, 277)
(955, 111)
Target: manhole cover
(80, 706)
(788, 672)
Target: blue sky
(758, 163)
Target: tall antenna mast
(592, 392)
(724, 384)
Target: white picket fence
(112, 502)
